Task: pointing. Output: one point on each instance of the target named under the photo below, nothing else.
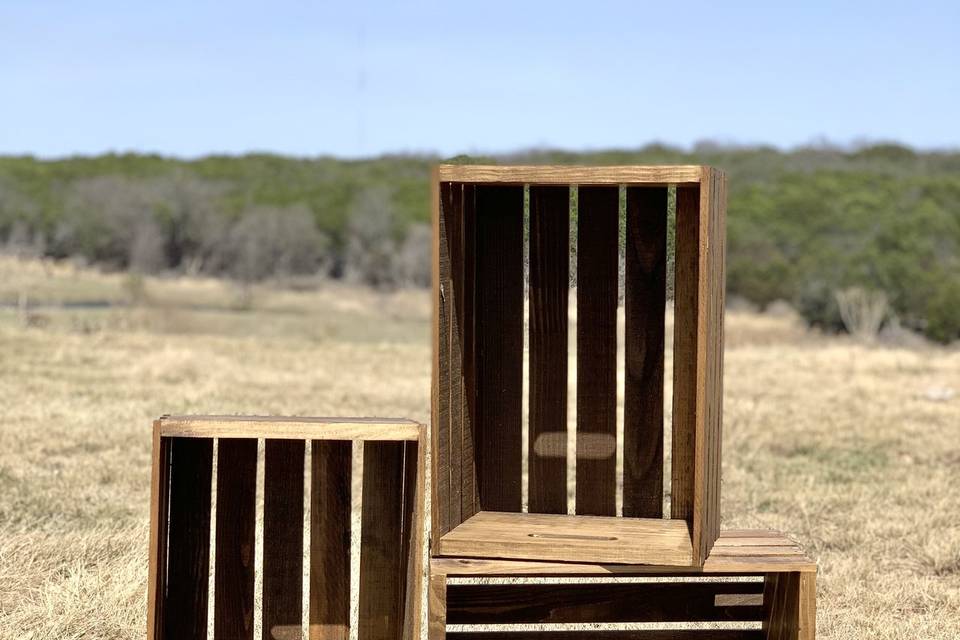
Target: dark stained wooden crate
(181, 516)
(479, 291)
(755, 585)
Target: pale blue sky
(364, 78)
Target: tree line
(803, 226)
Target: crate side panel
(283, 538)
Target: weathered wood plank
(597, 248)
(644, 316)
(570, 538)
(188, 563)
(284, 428)
(602, 602)
(159, 529)
(283, 539)
(549, 287)
(499, 350)
(381, 549)
(687, 372)
(235, 533)
(330, 496)
(566, 175)
(443, 464)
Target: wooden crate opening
(505, 242)
(186, 526)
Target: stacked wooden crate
(493, 225)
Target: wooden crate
(755, 585)
(182, 513)
(479, 292)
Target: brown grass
(853, 450)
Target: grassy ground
(853, 450)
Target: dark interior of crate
(489, 236)
(191, 515)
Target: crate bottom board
(571, 538)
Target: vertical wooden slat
(687, 372)
(191, 473)
(235, 532)
(441, 392)
(381, 550)
(597, 242)
(159, 523)
(466, 316)
(410, 535)
(644, 308)
(330, 495)
(789, 606)
(549, 286)
(453, 291)
(283, 539)
(437, 607)
(499, 345)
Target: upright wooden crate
(181, 514)
(478, 338)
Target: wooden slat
(330, 495)
(188, 563)
(443, 464)
(159, 521)
(597, 247)
(644, 316)
(570, 538)
(411, 550)
(281, 428)
(601, 634)
(790, 606)
(235, 532)
(600, 602)
(549, 286)
(687, 373)
(566, 175)
(437, 607)
(381, 551)
(453, 290)
(466, 316)
(499, 350)
(283, 539)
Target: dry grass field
(852, 449)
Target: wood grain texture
(790, 606)
(687, 372)
(499, 350)
(603, 634)
(573, 603)
(735, 552)
(467, 317)
(569, 538)
(330, 495)
(159, 521)
(188, 562)
(444, 467)
(439, 452)
(549, 286)
(283, 539)
(453, 291)
(597, 292)
(235, 533)
(567, 175)
(290, 428)
(382, 561)
(645, 294)
(437, 607)
(414, 466)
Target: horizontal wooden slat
(282, 428)
(570, 538)
(604, 602)
(600, 634)
(613, 175)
